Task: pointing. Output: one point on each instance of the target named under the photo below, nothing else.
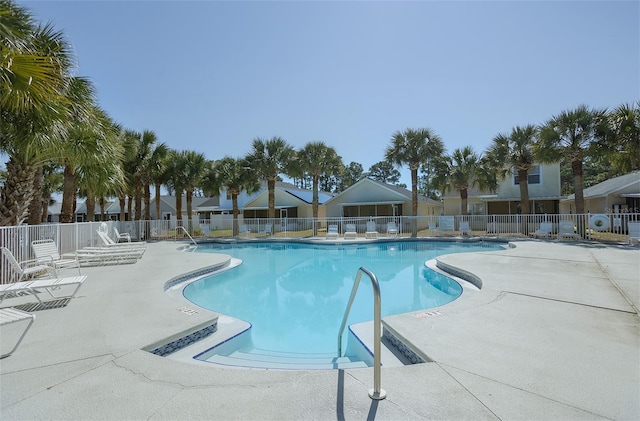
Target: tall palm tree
(460, 171)
(514, 152)
(86, 145)
(175, 179)
(34, 65)
(572, 136)
(131, 141)
(34, 61)
(157, 170)
(413, 147)
(270, 158)
(316, 159)
(195, 166)
(624, 121)
(234, 176)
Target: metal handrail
(188, 235)
(376, 393)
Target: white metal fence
(70, 237)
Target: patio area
(553, 333)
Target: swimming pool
(294, 295)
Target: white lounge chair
(19, 271)
(350, 232)
(465, 229)
(49, 285)
(13, 315)
(546, 228)
(244, 231)
(432, 227)
(108, 242)
(392, 228)
(268, 229)
(98, 256)
(332, 231)
(46, 252)
(566, 230)
(634, 232)
(124, 236)
(372, 231)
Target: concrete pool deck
(554, 333)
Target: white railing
(70, 237)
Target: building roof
(402, 193)
(629, 182)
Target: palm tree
(34, 61)
(102, 176)
(234, 176)
(413, 147)
(34, 64)
(157, 168)
(572, 136)
(270, 158)
(87, 146)
(175, 179)
(316, 159)
(460, 171)
(624, 122)
(514, 152)
(195, 166)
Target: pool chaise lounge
(332, 232)
(108, 242)
(99, 256)
(10, 316)
(350, 232)
(49, 285)
(20, 271)
(371, 231)
(46, 252)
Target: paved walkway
(554, 333)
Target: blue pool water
(295, 295)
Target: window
(475, 208)
(533, 178)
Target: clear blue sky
(211, 76)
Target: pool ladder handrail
(376, 393)
(188, 235)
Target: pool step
(285, 361)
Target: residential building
(544, 195)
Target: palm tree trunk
(157, 200)
(464, 195)
(525, 205)
(130, 208)
(122, 200)
(271, 186)
(414, 200)
(179, 206)
(16, 193)
(578, 186)
(138, 198)
(35, 207)
(314, 205)
(189, 209)
(234, 205)
(91, 206)
(45, 209)
(147, 202)
(68, 195)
